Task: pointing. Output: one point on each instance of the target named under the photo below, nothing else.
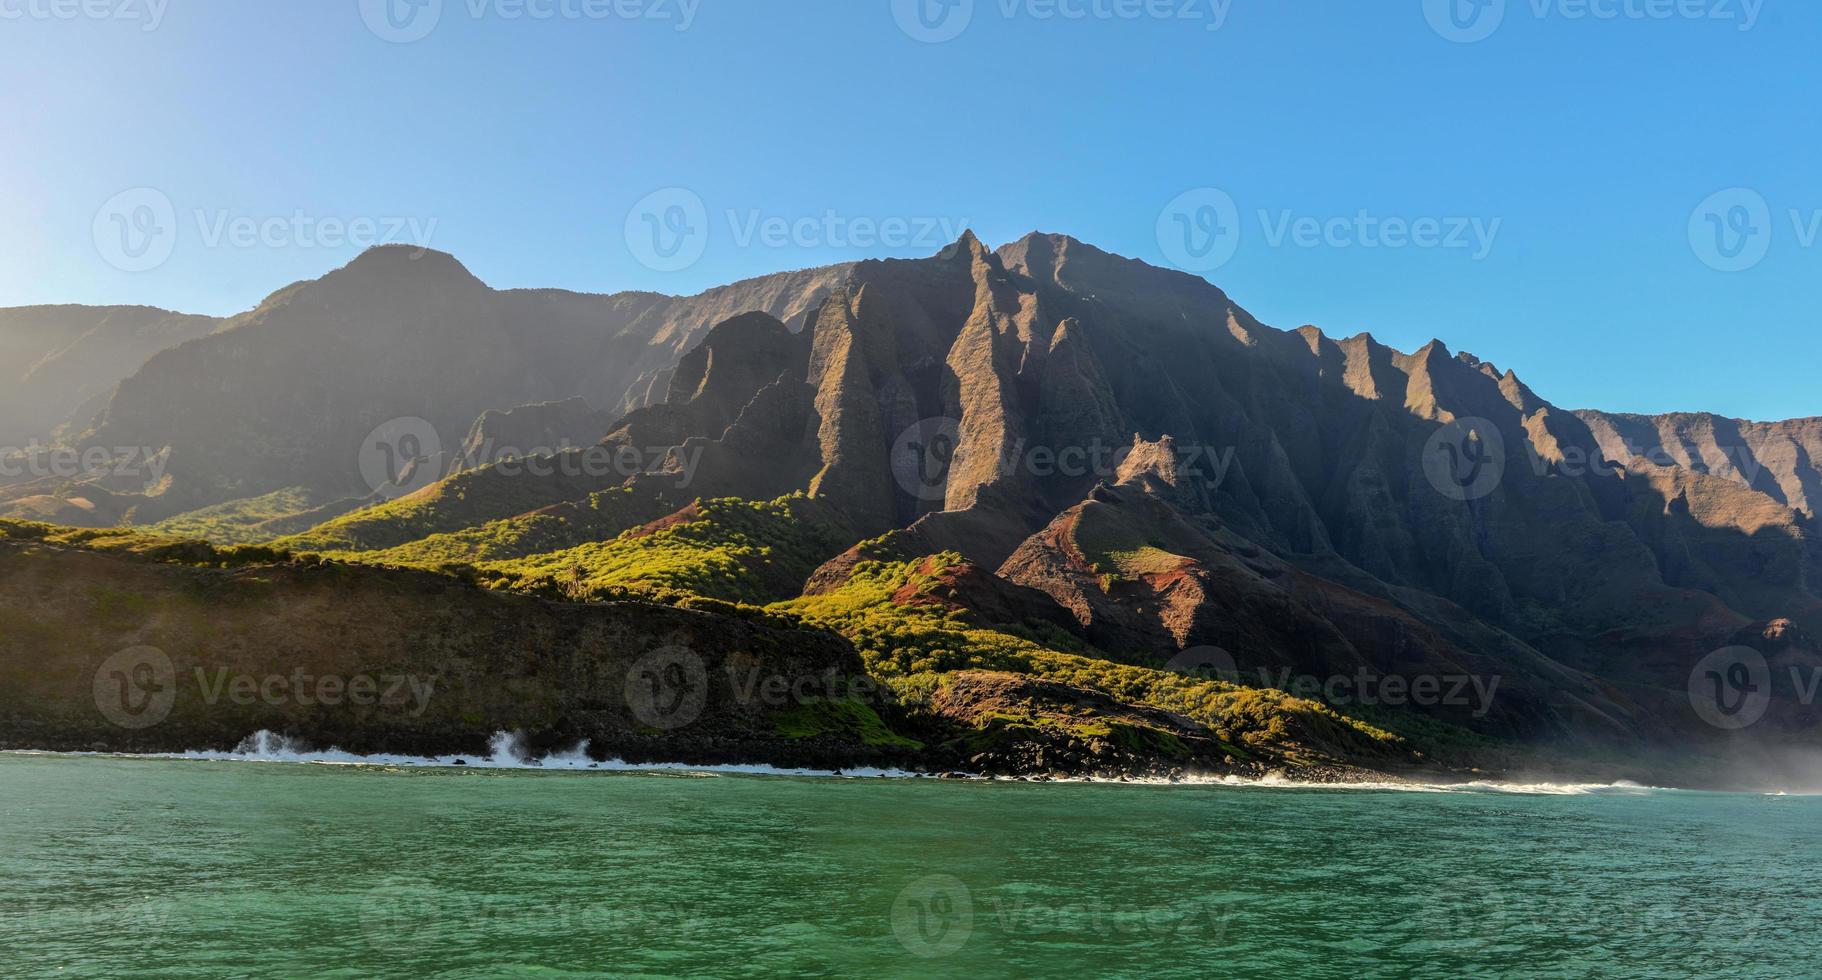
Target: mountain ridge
(1122, 445)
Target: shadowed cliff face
(1297, 500)
(286, 394)
(1781, 460)
(59, 364)
(109, 648)
(1120, 439)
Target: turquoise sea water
(167, 868)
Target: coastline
(509, 753)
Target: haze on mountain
(1045, 439)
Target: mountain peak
(968, 244)
(1435, 348)
(403, 259)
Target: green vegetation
(750, 559)
(600, 515)
(174, 551)
(728, 549)
(464, 500)
(1000, 727)
(1144, 560)
(912, 646)
(1119, 548)
(240, 521)
(846, 719)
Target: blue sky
(1550, 188)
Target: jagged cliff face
(1122, 440)
(1296, 500)
(1780, 460)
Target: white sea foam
(1280, 781)
(506, 750)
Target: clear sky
(1530, 180)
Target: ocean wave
(1279, 781)
(507, 750)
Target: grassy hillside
(457, 503)
(728, 549)
(966, 687)
(917, 648)
(253, 519)
(552, 529)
